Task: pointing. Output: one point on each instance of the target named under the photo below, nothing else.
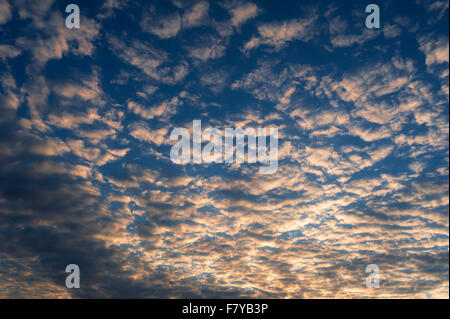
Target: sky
(86, 176)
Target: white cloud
(196, 15)
(213, 50)
(347, 40)
(163, 110)
(241, 12)
(436, 51)
(153, 62)
(170, 25)
(141, 131)
(5, 11)
(162, 26)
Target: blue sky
(86, 176)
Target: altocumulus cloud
(86, 178)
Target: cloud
(8, 51)
(391, 31)
(153, 62)
(165, 27)
(170, 25)
(71, 121)
(58, 40)
(85, 175)
(215, 79)
(196, 15)
(347, 40)
(109, 6)
(277, 34)
(439, 7)
(436, 51)
(241, 12)
(50, 147)
(141, 131)
(5, 12)
(162, 110)
(213, 50)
